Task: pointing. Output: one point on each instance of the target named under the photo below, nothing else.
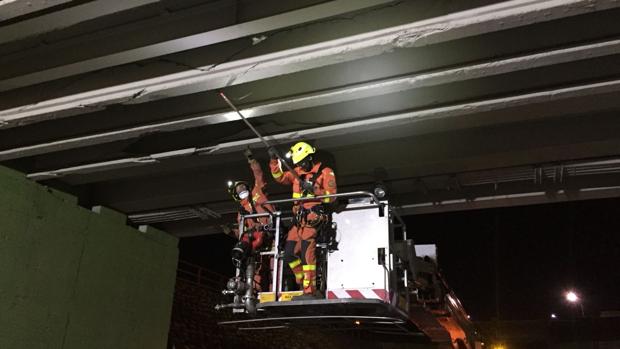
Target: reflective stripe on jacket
(325, 182)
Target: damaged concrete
(349, 93)
(459, 25)
(349, 128)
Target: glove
(248, 154)
(273, 153)
(226, 230)
(307, 186)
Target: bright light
(288, 155)
(232, 115)
(357, 322)
(571, 297)
(499, 347)
(229, 183)
(553, 316)
(379, 192)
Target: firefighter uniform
(308, 214)
(255, 203)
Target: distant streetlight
(573, 298)
(553, 316)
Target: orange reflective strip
(277, 174)
(299, 276)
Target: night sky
(515, 262)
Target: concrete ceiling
(453, 105)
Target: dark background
(514, 263)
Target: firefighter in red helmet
(313, 179)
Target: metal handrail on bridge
(199, 275)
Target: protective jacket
(322, 178)
(300, 246)
(255, 203)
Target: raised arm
(259, 179)
(257, 171)
(279, 175)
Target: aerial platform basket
(371, 275)
(369, 315)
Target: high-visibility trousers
(300, 255)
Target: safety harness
(320, 210)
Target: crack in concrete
(64, 336)
(181, 64)
(138, 94)
(254, 41)
(75, 280)
(409, 39)
(237, 76)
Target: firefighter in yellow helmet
(316, 180)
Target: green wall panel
(73, 278)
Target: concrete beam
(463, 24)
(10, 9)
(186, 182)
(283, 20)
(354, 92)
(169, 215)
(496, 201)
(510, 200)
(350, 128)
(587, 179)
(66, 18)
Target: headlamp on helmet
(232, 190)
(300, 151)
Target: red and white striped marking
(358, 293)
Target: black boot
(288, 283)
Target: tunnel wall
(75, 278)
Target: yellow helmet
(300, 151)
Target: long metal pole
(234, 108)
